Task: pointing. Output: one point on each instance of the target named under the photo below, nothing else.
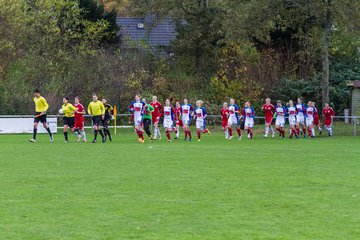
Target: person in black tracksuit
(107, 118)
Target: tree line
(248, 50)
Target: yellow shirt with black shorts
(41, 105)
(97, 110)
(69, 118)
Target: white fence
(346, 126)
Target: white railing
(343, 125)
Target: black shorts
(105, 122)
(70, 121)
(97, 120)
(147, 122)
(41, 119)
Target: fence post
(355, 124)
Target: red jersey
(158, 109)
(269, 110)
(177, 113)
(79, 117)
(224, 114)
(328, 113)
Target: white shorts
(249, 122)
(309, 121)
(280, 121)
(301, 119)
(186, 121)
(292, 120)
(168, 123)
(138, 121)
(200, 124)
(232, 121)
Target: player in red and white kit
(137, 107)
(280, 118)
(309, 119)
(224, 113)
(79, 120)
(316, 118)
(328, 114)
(156, 115)
(269, 110)
(300, 117)
(234, 119)
(292, 113)
(178, 122)
(248, 114)
(200, 114)
(168, 119)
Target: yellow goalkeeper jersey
(40, 104)
(68, 110)
(96, 108)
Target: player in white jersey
(200, 115)
(186, 116)
(292, 112)
(300, 117)
(137, 107)
(280, 118)
(309, 113)
(248, 113)
(168, 119)
(233, 119)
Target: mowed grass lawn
(214, 189)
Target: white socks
(83, 134)
(156, 133)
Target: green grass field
(215, 189)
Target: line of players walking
(302, 119)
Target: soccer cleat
(240, 137)
(65, 141)
(32, 140)
(104, 139)
(51, 138)
(208, 131)
(231, 137)
(78, 138)
(110, 138)
(265, 136)
(320, 132)
(190, 139)
(94, 141)
(84, 140)
(185, 139)
(273, 135)
(169, 140)
(176, 138)
(199, 140)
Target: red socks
(230, 132)
(189, 133)
(140, 134)
(167, 134)
(199, 134)
(238, 131)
